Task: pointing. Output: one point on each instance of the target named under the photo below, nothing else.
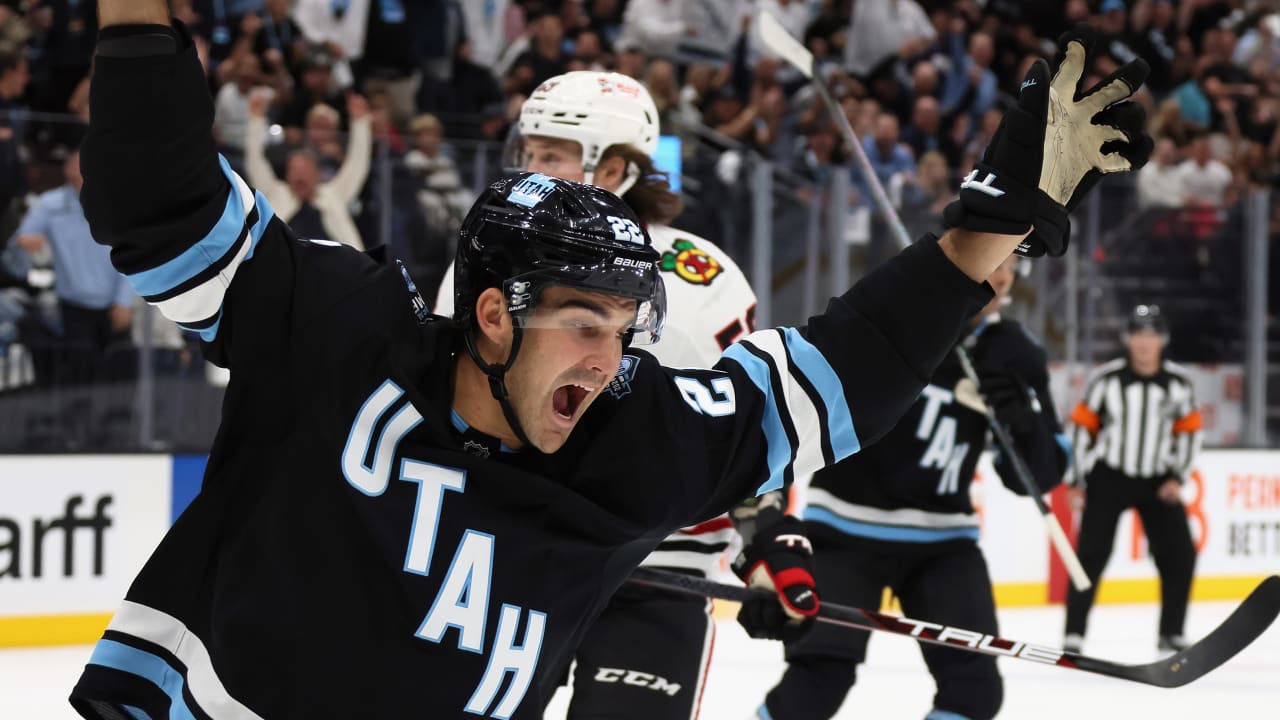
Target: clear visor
(515, 159)
(594, 309)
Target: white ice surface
(893, 684)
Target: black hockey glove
(1000, 195)
(780, 559)
(1013, 402)
(1063, 137)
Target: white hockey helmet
(595, 110)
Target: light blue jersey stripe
(209, 333)
(265, 213)
(777, 447)
(945, 715)
(137, 713)
(810, 361)
(891, 533)
(220, 239)
(762, 713)
(119, 656)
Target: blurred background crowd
(376, 122)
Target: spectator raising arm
(257, 167)
(349, 179)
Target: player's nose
(604, 359)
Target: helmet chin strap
(497, 379)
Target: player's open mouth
(567, 399)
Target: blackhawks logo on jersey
(691, 264)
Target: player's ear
(610, 172)
(493, 323)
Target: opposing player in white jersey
(647, 655)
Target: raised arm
(350, 178)
(256, 165)
(190, 235)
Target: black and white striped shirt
(1144, 427)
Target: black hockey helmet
(530, 231)
(1147, 317)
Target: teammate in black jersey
(898, 515)
(409, 516)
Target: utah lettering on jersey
(462, 602)
(939, 431)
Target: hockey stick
(790, 49)
(1241, 628)
(1058, 538)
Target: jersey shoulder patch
(620, 386)
(691, 263)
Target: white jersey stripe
(168, 632)
(804, 414)
(902, 517)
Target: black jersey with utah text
(356, 552)
(913, 484)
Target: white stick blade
(1079, 578)
(781, 42)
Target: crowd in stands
(332, 107)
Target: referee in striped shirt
(1137, 433)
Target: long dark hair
(651, 197)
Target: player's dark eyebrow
(593, 306)
(574, 302)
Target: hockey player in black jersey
(404, 516)
(898, 515)
(642, 632)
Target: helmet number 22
(626, 230)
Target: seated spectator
(443, 202)
(888, 156)
(441, 193)
(487, 28)
(323, 135)
(14, 76)
(971, 85)
(544, 59)
(315, 87)
(231, 105)
(893, 163)
(925, 195)
(278, 42)
(658, 26)
(822, 155)
(314, 208)
(881, 28)
(1160, 183)
(95, 303)
(469, 103)
(588, 52)
(1205, 180)
(662, 83)
(925, 133)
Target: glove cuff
(990, 202)
(1052, 231)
